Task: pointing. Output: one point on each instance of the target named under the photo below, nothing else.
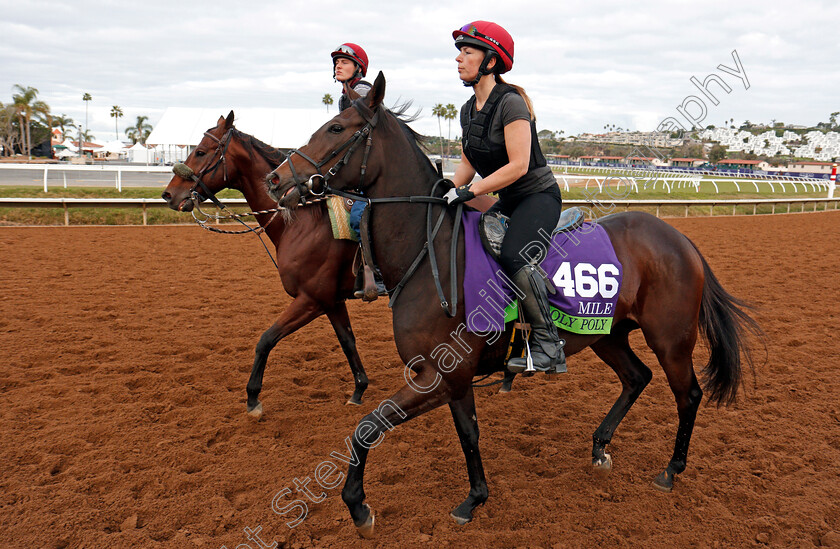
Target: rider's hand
(459, 195)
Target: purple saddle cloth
(582, 265)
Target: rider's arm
(518, 146)
(464, 173)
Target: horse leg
(301, 312)
(466, 424)
(680, 372)
(341, 324)
(615, 350)
(507, 382)
(425, 393)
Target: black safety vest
(344, 101)
(487, 156)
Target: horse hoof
(504, 389)
(603, 465)
(256, 411)
(460, 520)
(353, 403)
(366, 529)
(664, 482)
(661, 488)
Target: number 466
(587, 280)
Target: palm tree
(8, 135)
(86, 98)
(327, 100)
(61, 122)
(41, 109)
(450, 112)
(140, 131)
(116, 113)
(25, 105)
(440, 111)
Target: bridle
(185, 172)
(308, 186)
(220, 152)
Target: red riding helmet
(354, 53)
(485, 34)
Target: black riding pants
(523, 241)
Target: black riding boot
(546, 346)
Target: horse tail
(724, 324)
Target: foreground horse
(315, 268)
(668, 291)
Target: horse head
(207, 163)
(339, 153)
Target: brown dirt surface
(125, 354)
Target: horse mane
(420, 142)
(273, 156)
(400, 112)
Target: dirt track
(125, 353)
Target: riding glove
(458, 195)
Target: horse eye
(336, 128)
(200, 153)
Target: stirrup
(560, 367)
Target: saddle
(493, 226)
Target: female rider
(500, 143)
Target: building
(810, 167)
(640, 160)
(557, 158)
(687, 162)
(739, 164)
(612, 159)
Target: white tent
(141, 154)
(69, 146)
(283, 128)
(114, 147)
(64, 153)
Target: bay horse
(668, 291)
(315, 268)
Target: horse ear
(352, 94)
(229, 120)
(377, 93)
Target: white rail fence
(64, 169)
(636, 178)
(594, 208)
(669, 182)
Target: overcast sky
(584, 64)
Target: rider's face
(344, 69)
(469, 60)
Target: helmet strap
(482, 69)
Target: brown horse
(315, 268)
(668, 291)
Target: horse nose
(166, 196)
